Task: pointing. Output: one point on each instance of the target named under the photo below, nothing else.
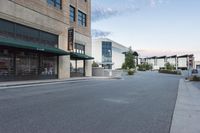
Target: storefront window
(26, 63)
(80, 67)
(48, 65)
(73, 66)
(6, 63)
(77, 68)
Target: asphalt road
(143, 103)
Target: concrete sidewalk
(36, 82)
(186, 118)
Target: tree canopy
(129, 60)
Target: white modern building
(151, 60)
(108, 54)
(197, 65)
(161, 61)
(183, 62)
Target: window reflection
(18, 64)
(48, 65)
(6, 63)
(77, 68)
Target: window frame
(82, 18)
(55, 3)
(70, 13)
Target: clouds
(99, 33)
(105, 9)
(154, 3)
(100, 12)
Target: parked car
(194, 71)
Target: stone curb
(186, 116)
(36, 82)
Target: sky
(152, 27)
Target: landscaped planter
(170, 72)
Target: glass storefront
(48, 65)
(16, 64)
(26, 52)
(77, 68)
(6, 63)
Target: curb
(38, 82)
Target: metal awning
(78, 56)
(31, 46)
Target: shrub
(144, 67)
(141, 69)
(195, 78)
(169, 66)
(129, 60)
(131, 71)
(94, 64)
(169, 71)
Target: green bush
(141, 69)
(131, 71)
(129, 60)
(144, 67)
(169, 66)
(94, 64)
(195, 78)
(169, 71)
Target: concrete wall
(117, 58)
(97, 50)
(101, 72)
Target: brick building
(40, 40)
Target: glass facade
(24, 64)
(20, 32)
(6, 63)
(107, 55)
(77, 67)
(17, 64)
(106, 52)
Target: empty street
(143, 103)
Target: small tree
(169, 66)
(94, 64)
(129, 60)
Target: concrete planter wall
(101, 72)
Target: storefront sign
(71, 39)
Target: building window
(79, 48)
(13, 30)
(72, 14)
(106, 52)
(77, 68)
(55, 3)
(81, 18)
(6, 63)
(24, 64)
